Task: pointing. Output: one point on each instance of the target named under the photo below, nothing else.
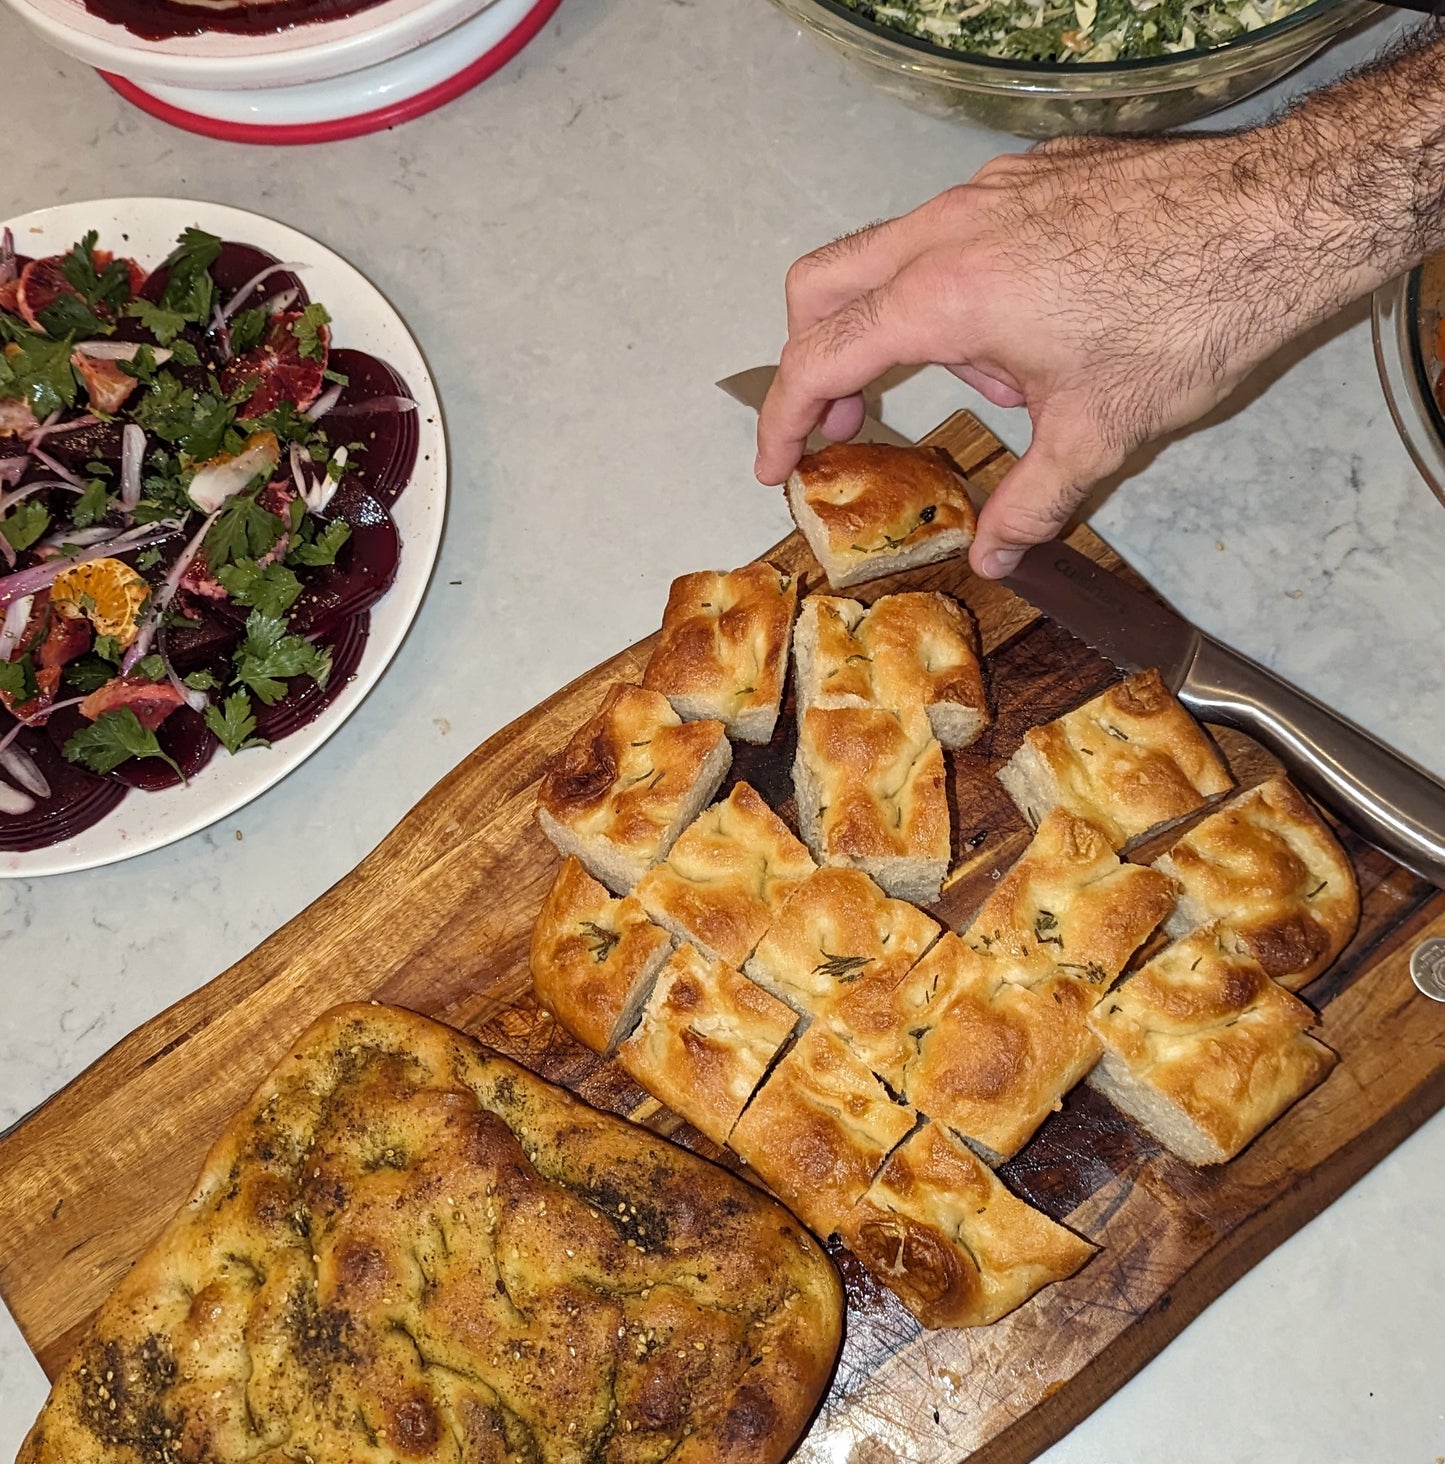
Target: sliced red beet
(365, 568)
(78, 797)
(305, 701)
(185, 739)
(389, 439)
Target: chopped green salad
(1078, 30)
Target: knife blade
(1393, 802)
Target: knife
(1393, 802)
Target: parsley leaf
(196, 421)
(270, 588)
(289, 424)
(69, 315)
(148, 558)
(269, 657)
(88, 674)
(26, 524)
(202, 680)
(17, 680)
(111, 739)
(153, 668)
(185, 353)
(243, 529)
(307, 330)
(165, 325)
(97, 287)
(234, 723)
(108, 648)
(37, 371)
(322, 549)
(247, 330)
(91, 506)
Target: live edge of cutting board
(439, 917)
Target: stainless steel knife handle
(1391, 801)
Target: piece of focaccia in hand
(594, 958)
(406, 1246)
(1003, 1047)
(627, 784)
(1267, 866)
(1203, 1049)
(1131, 761)
(871, 792)
(705, 1040)
(727, 875)
(869, 510)
(723, 650)
(1069, 903)
(819, 1129)
(903, 651)
(942, 1231)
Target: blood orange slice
(281, 372)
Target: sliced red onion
(284, 300)
(79, 538)
(37, 720)
(197, 701)
(13, 802)
(17, 617)
(234, 303)
(23, 770)
(375, 404)
(60, 470)
(323, 404)
(221, 332)
(9, 500)
(7, 551)
(162, 597)
(132, 454)
(53, 424)
(119, 351)
(38, 576)
(9, 266)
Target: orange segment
(108, 592)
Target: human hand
(1116, 289)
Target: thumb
(1034, 501)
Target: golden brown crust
(1130, 760)
(1268, 866)
(940, 1229)
(1000, 1053)
(819, 1129)
(407, 1247)
(872, 787)
(723, 649)
(1203, 1028)
(593, 957)
(1070, 903)
(705, 1040)
(862, 505)
(727, 875)
(628, 781)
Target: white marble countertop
(582, 246)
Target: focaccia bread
(819, 1129)
(594, 958)
(1267, 866)
(723, 650)
(1003, 1049)
(628, 783)
(869, 510)
(407, 1247)
(705, 1040)
(1070, 903)
(1204, 1050)
(871, 793)
(910, 650)
(941, 1230)
(727, 875)
(1132, 761)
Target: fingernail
(999, 562)
(758, 467)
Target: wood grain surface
(439, 917)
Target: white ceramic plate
(221, 60)
(146, 228)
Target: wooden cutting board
(439, 919)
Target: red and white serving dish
(315, 82)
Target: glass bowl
(1407, 316)
(1044, 99)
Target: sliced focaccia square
(723, 650)
(819, 1129)
(728, 873)
(594, 958)
(706, 1037)
(628, 783)
(942, 1231)
(1070, 903)
(906, 651)
(1002, 1050)
(1203, 1049)
(869, 510)
(1132, 761)
(871, 791)
(1267, 866)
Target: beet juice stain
(163, 20)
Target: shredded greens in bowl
(1075, 30)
